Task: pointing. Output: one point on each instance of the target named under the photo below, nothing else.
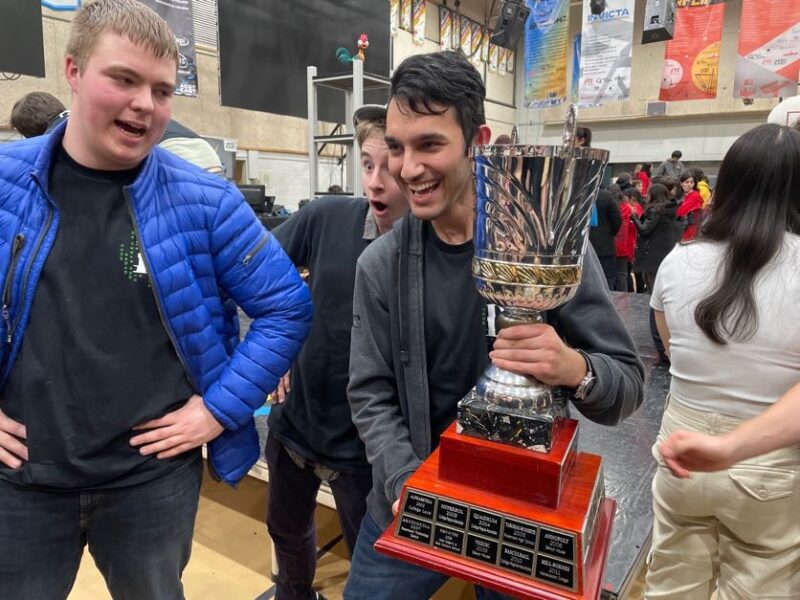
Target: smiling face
(428, 158)
(121, 104)
(387, 202)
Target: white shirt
(743, 377)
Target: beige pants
(737, 529)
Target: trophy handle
(570, 128)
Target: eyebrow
(421, 139)
(123, 70)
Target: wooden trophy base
(501, 541)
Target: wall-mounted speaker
(510, 23)
(659, 21)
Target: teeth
(423, 188)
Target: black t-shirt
(95, 360)
(455, 328)
(327, 236)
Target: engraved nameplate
(419, 504)
(414, 529)
(451, 513)
(517, 532)
(555, 571)
(557, 543)
(485, 523)
(517, 560)
(481, 549)
(448, 539)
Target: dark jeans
(290, 516)
(375, 576)
(609, 264)
(140, 537)
(623, 283)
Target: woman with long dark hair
(727, 309)
(657, 233)
(691, 209)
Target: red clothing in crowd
(692, 209)
(625, 240)
(645, 179)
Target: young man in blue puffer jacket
(122, 266)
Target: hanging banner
(502, 62)
(487, 34)
(445, 29)
(394, 16)
(546, 49)
(419, 10)
(691, 63)
(576, 67)
(494, 56)
(606, 50)
(768, 61)
(477, 39)
(466, 36)
(178, 15)
(455, 44)
(405, 15)
(510, 61)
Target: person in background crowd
(502, 139)
(625, 242)
(726, 306)
(775, 428)
(32, 114)
(405, 378)
(583, 137)
(335, 189)
(673, 167)
(601, 236)
(701, 183)
(657, 233)
(623, 180)
(123, 268)
(311, 433)
(642, 173)
(691, 209)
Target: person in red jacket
(691, 208)
(630, 204)
(642, 173)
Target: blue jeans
(140, 537)
(375, 576)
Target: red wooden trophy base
(460, 521)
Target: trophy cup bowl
(506, 500)
(531, 230)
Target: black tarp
(21, 49)
(266, 45)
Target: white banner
(606, 50)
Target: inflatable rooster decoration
(343, 55)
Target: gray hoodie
(388, 387)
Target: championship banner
(494, 56)
(178, 15)
(606, 49)
(445, 29)
(691, 64)
(405, 15)
(419, 10)
(477, 40)
(768, 61)
(487, 35)
(394, 16)
(546, 53)
(466, 36)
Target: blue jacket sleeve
(253, 269)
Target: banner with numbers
(178, 14)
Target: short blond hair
(366, 129)
(128, 18)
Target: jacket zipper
(167, 326)
(249, 256)
(39, 241)
(16, 248)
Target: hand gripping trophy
(506, 500)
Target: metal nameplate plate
(534, 550)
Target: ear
(72, 72)
(483, 136)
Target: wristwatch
(585, 387)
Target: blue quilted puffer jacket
(205, 252)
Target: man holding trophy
(420, 327)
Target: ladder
(353, 85)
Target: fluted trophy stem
(531, 228)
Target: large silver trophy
(534, 205)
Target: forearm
(777, 427)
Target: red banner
(768, 63)
(691, 64)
